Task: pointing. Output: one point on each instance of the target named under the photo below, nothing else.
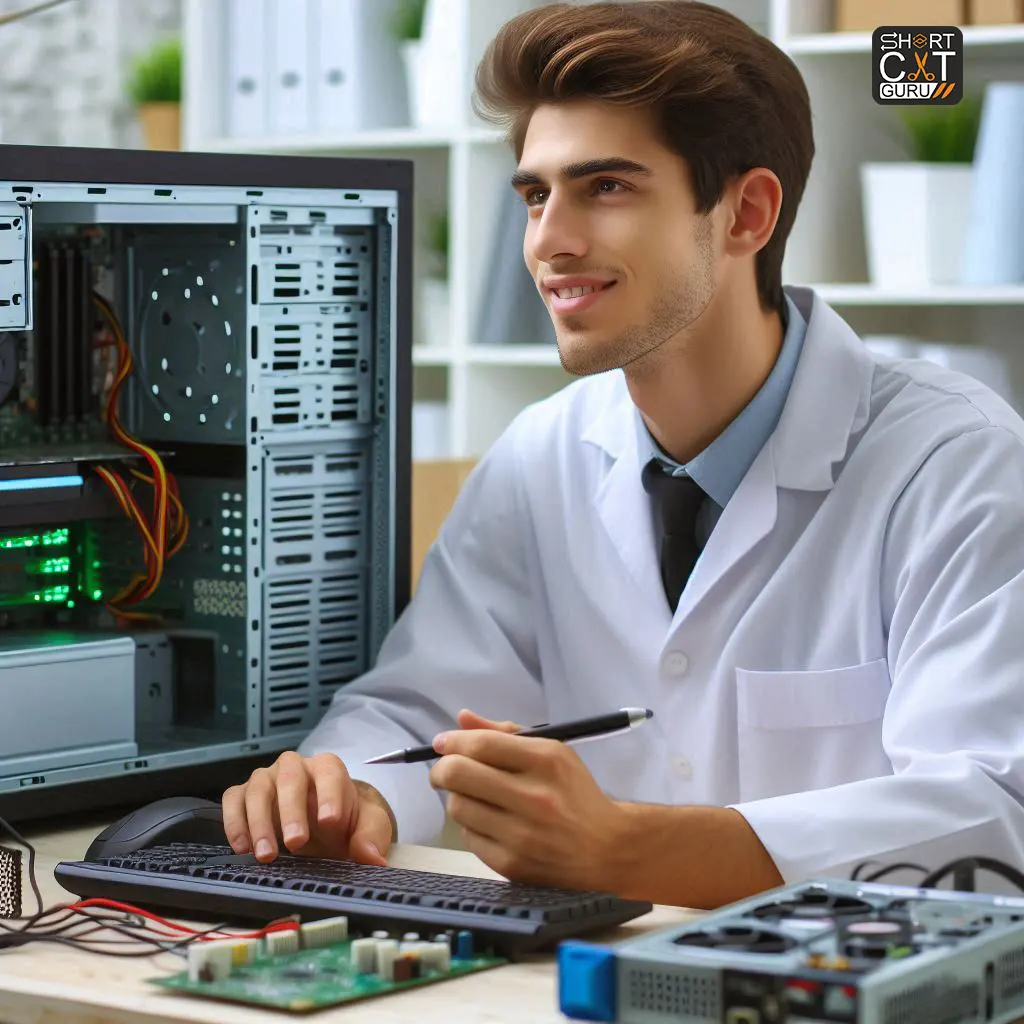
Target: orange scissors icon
(915, 75)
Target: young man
(836, 678)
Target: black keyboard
(213, 882)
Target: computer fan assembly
(820, 951)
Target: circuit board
(313, 979)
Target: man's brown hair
(725, 97)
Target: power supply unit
(821, 951)
(205, 400)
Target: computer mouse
(177, 819)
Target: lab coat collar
(828, 399)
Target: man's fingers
(233, 812)
(335, 792)
(499, 749)
(478, 816)
(473, 779)
(293, 799)
(261, 812)
(471, 720)
(371, 836)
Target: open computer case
(205, 393)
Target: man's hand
(314, 806)
(528, 807)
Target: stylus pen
(583, 729)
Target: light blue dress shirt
(720, 467)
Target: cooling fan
(737, 939)
(812, 904)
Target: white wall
(62, 71)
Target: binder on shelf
(308, 67)
(512, 312)
(288, 93)
(245, 110)
(356, 73)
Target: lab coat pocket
(809, 730)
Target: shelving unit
(463, 168)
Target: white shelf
(513, 355)
(487, 355)
(867, 295)
(465, 169)
(975, 36)
(433, 355)
(368, 141)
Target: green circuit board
(312, 979)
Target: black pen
(583, 729)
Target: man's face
(613, 241)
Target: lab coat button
(683, 768)
(676, 663)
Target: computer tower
(205, 398)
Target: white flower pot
(412, 52)
(994, 252)
(434, 312)
(431, 85)
(916, 219)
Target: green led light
(54, 566)
(51, 539)
(14, 543)
(97, 594)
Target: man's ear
(753, 203)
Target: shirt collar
(720, 467)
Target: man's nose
(559, 231)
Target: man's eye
(535, 196)
(609, 187)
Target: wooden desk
(48, 983)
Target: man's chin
(586, 357)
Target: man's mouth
(576, 298)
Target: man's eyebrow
(583, 169)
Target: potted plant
(916, 212)
(434, 312)
(155, 88)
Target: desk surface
(44, 982)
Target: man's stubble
(681, 299)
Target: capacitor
(364, 955)
(436, 955)
(463, 946)
(387, 954)
(406, 968)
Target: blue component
(586, 981)
(463, 946)
(40, 483)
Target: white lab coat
(844, 667)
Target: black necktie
(677, 500)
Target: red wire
(128, 908)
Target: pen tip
(648, 713)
